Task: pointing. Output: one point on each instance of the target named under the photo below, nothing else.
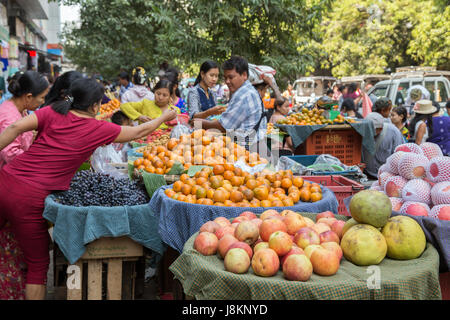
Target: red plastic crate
(341, 186)
(344, 144)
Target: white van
(436, 82)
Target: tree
(117, 34)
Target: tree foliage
(117, 34)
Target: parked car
(364, 79)
(435, 81)
(307, 89)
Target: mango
(371, 207)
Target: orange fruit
(201, 180)
(210, 193)
(229, 203)
(277, 203)
(181, 197)
(316, 196)
(146, 163)
(288, 202)
(138, 162)
(216, 182)
(315, 189)
(150, 169)
(286, 183)
(208, 202)
(186, 189)
(305, 195)
(298, 182)
(200, 193)
(227, 175)
(236, 196)
(228, 167)
(220, 196)
(172, 143)
(177, 186)
(220, 204)
(261, 193)
(238, 171)
(190, 182)
(293, 189)
(169, 192)
(159, 171)
(218, 169)
(251, 184)
(295, 196)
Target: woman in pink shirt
(68, 134)
(29, 90)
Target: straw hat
(424, 107)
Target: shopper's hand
(217, 110)
(144, 119)
(169, 114)
(267, 79)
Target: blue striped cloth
(178, 220)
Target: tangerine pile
(110, 106)
(200, 148)
(306, 118)
(227, 185)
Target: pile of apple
(286, 240)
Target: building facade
(29, 37)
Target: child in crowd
(399, 117)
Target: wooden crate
(107, 270)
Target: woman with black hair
(421, 125)
(201, 100)
(280, 111)
(60, 88)
(348, 108)
(29, 90)
(146, 110)
(172, 75)
(68, 134)
(399, 117)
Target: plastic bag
(366, 105)
(286, 163)
(252, 170)
(103, 157)
(179, 130)
(255, 73)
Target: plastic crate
(341, 186)
(344, 144)
(306, 161)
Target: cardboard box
(113, 248)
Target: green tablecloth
(299, 134)
(204, 277)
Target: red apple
(237, 261)
(305, 237)
(223, 231)
(269, 213)
(247, 232)
(286, 212)
(260, 245)
(240, 219)
(337, 227)
(309, 249)
(250, 215)
(209, 226)
(333, 246)
(328, 221)
(320, 227)
(309, 222)
(222, 221)
(329, 236)
(256, 221)
(265, 263)
(294, 222)
(280, 242)
(206, 243)
(242, 245)
(324, 262)
(294, 250)
(269, 226)
(297, 267)
(325, 214)
(224, 244)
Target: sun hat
(424, 107)
(376, 118)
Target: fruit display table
(204, 277)
(320, 139)
(76, 227)
(178, 220)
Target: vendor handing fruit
(147, 110)
(68, 135)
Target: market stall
(178, 221)
(204, 277)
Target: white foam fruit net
(438, 169)
(439, 209)
(417, 190)
(393, 160)
(394, 185)
(396, 203)
(440, 193)
(414, 208)
(383, 177)
(409, 147)
(413, 166)
(431, 150)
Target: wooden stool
(120, 275)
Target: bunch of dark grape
(89, 188)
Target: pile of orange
(227, 185)
(198, 148)
(306, 117)
(110, 106)
(157, 160)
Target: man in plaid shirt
(244, 116)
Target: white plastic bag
(103, 157)
(255, 73)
